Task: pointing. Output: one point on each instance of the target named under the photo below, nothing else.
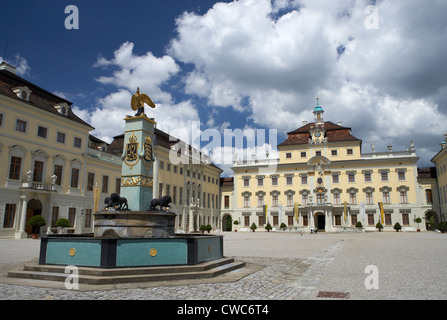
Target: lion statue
(117, 202)
(163, 202)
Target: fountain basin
(90, 251)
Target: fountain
(134, 233)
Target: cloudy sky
(379, 67)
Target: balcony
(38, 185)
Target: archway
(320, 221)
(33, 208)
(227, 222)
(431, 220)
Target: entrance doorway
(33, 208)
(227, 223)
(320, 221)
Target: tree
(253, 227)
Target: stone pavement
(284, 266)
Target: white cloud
(146, 72)
(280, 55)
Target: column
(137, 169)
(21, 234)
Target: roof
(39, 98)
(427, 173)
(334, 133)
(227, 182)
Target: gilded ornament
(153, 252)
(72, 252)
(139, 100)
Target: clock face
(317, 134)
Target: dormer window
(62, 108)
(23, 93)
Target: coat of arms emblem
(131, 156)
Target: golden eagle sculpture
(138, 101)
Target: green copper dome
(318, 108)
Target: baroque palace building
(323, 180)
(50, 165)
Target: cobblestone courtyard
(287, 266)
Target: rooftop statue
(138, 101)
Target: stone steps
(97, 276)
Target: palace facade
(50, 165)
(324, 180)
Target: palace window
(42, 132)
(288, 155)
(367, 176)
(384, 176)
(401, 175)
(260, 182)
(60, 137)
(388, 221)
(74, 178)
(335, 178)
(90, 181)
(352, 195)
(369, 197)
(403, 194)
(405, 219)
(72, 216)
(351, 177)
(403, 197)
(105, 184)
(260, 200)
(337, 219)
(15, 168)
(54, 216)
(428, 196)
(353, 219)
(386, 197)
(21, 125)
(336, 197)
(10, 212)
(370, 219)
(305, 199)
(88, 218)
(303, 179)
(289, 180)
(320, 198)
(247, 221)
(274, 180)
(349, 151)
(274, 200)
(246, 182)
(77, 142)
(303, 154)
(352, 198)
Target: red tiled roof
(334, 133)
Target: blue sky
(248, 64)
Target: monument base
(134, 224)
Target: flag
(280, 213)
(382, 221)
(344, 212)
(295, 205)
(96, 195)
(265, 214)
(363, 211)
